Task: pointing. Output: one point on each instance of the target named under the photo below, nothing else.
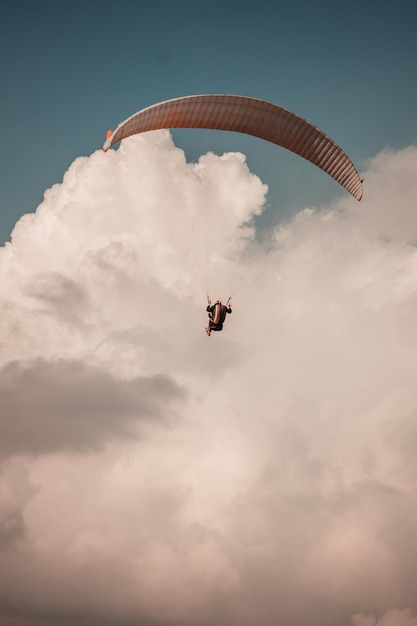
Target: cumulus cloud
(265, 475)
(66, 405)
(390, 186)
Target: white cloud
(153, 475)
(390, 209)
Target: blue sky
(70, 71)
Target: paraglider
(250, 116)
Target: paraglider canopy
(250, 116)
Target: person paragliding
(217, 314)
(250, 116)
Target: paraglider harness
(217, 314)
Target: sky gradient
(150, 475)
(72, 71)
